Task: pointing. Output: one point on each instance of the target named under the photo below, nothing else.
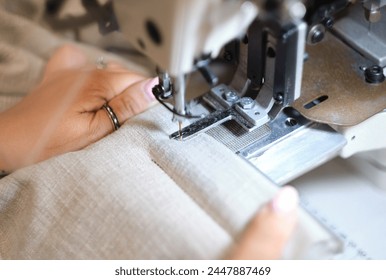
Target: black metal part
(256, 53)
(232, 51)
(285, 54)
(328, 22)
(68, 23)
(374, 74)
(203, 67)
(159, 92)
(324, 11)
(208, 75)
(279, 97)
(286, 63)
(104, 15)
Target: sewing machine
(308, 84)
(307, 89)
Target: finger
(131, 102)
(114, 66)
(134, 100)
(100, 86)
(114, 83)
(66, 57)
(271, 229)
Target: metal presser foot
(229, 106)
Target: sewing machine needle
(180, 129)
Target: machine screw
(247, 103)
(279, 97)
(291, 122)
(328, 22)
(374, 74)
(231, 96)
(316, 34)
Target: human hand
(270, 230)
(64, 112)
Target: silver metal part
(303, 151)
(164, 81)
(245, 106)
(235, 138)
(225, 95)
(284, 148)
(288, 121)
(373, 9)
(301, 43)
(231, 96)
(293, 147)
(179, 87)
(367, 38)
(249, 119)
(246, 103)
(316, 34)
(373, 15)
(252, 111)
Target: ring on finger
(113, 117)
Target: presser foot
(229, 106)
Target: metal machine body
(309, 74)
(180, 36)
(308, 88)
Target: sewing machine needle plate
(334, 89)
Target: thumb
(271, 229)
(134, 100)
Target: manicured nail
(286, 200)
(149, 87)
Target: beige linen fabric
(136, 194)
(133, 195)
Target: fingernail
(149, 88)
(286, 200)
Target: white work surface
(348, 204)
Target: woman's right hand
(65, 111)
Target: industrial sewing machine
(309, 83)
(308, 76)
(307, 86)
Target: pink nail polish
(149, 87)
(286, 200)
